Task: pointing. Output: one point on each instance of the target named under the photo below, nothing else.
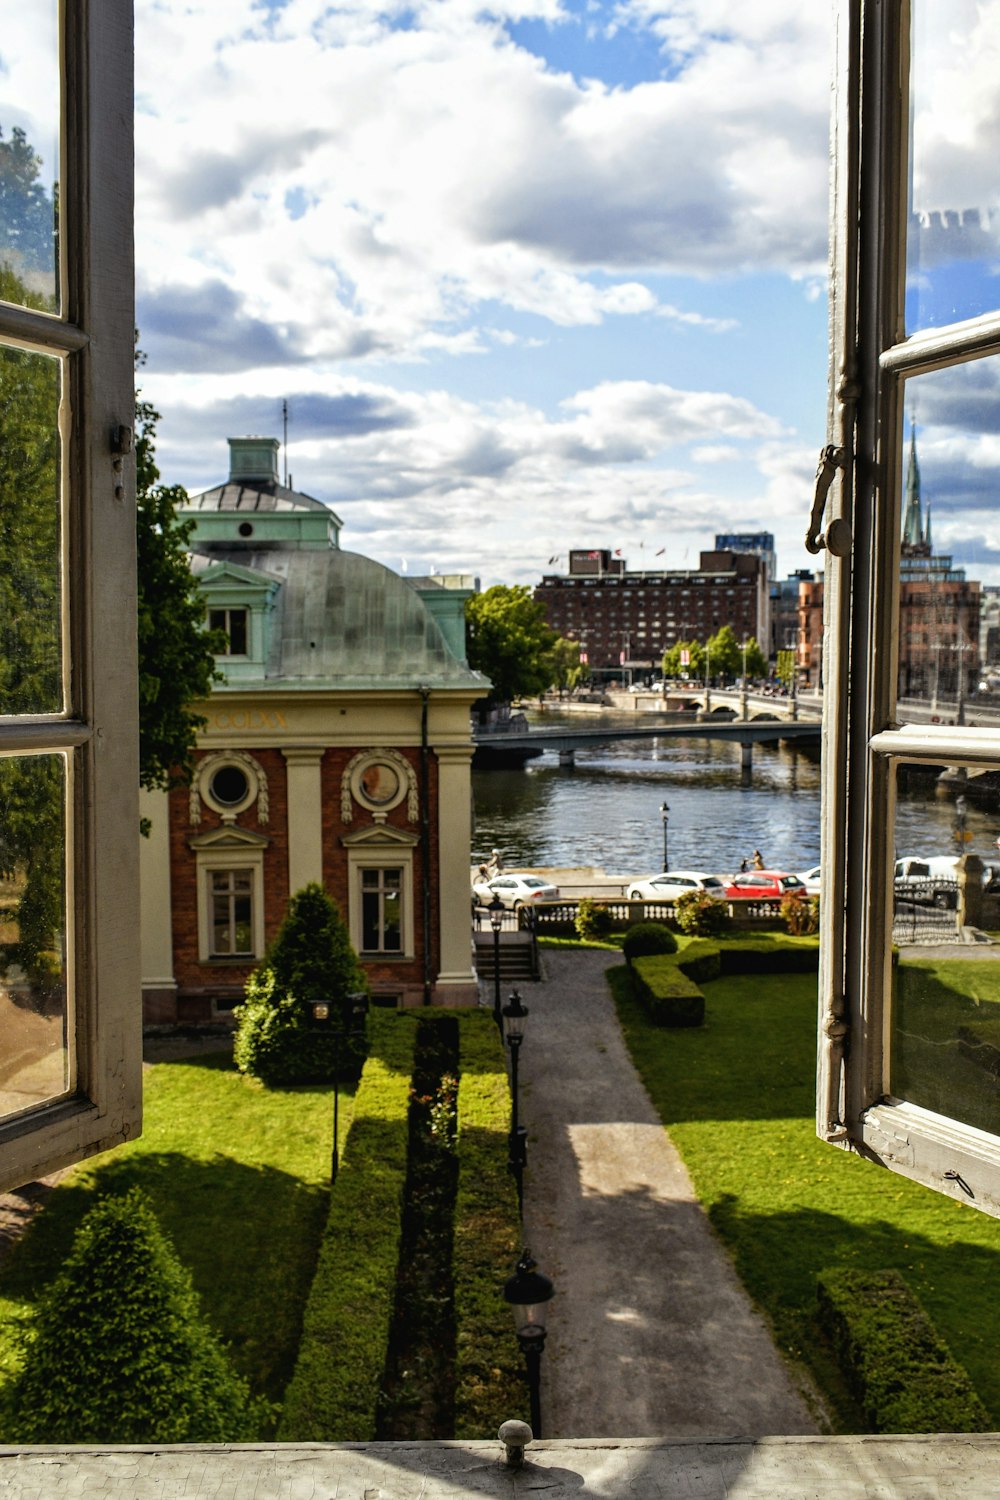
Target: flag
(618, 552)
(553, 559)
(661, 551)
(402, 564)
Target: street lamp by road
(514, 1016)
(495, 910)
(665, 815)
(349, 1026)
(527, 1291)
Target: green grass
(738, 1097)
(238, 1176)
(552, 941)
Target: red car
(763, 885)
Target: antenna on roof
(284, 418)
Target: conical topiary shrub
(117, 1350)
(311, 959)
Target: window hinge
(837, 537)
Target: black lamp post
(495, 910)
(665, 815)
(527, 1291)
(514, 1016)
(353, 1010)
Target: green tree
(510, 641)
(27, 215)
(176, 653)
(311, 959)
(567, 669)
(695, 666)
(786, 667)
(117, 1350)
(725, 655)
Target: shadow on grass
(780, 1255)
(249, 1235)
(753, 1059)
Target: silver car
(514, 890)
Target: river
(605, 811)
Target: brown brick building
(337, 749)
(632, 618)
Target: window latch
(837, 537)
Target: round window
(229, 785)
(245, 528)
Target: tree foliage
(27, 216)
(567, 668)
(311, 959)
(725, 657)
(117, 1350)
(176, 653)
(510, 641)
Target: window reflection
(29, 161)
(953, 236)
(948, 663)
(30, 570)
(34, 1052)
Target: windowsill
(386, 958)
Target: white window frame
(871, 357)
(375, 847)
(229, 849)
(98, 732)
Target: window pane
(954, 210)
(949, 572)
(29, 159)
(392, 928)
(945, 1052)
(369, 921)
(34, 1050)
(30, 569)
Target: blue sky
(531, 275)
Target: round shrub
(593, 920)
(700, 916)
(647, 937)
(800, 914)
(117, 1350)
(310, 959)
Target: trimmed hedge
(332, 1394)
(901, 1372)
(489, 1384)
(667, 985)
(666, 993)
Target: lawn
(239, 1178)
(738, 1098)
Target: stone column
(456, 980)
(305, 817)
(156, 945)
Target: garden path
(650, 1333)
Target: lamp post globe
(527, 1291)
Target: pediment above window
(380, 835)
(228, 838)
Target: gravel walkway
(650, 1332)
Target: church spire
(913, 521)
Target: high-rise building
(629, 619)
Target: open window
(910, 986)
(69, 977)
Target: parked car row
(747, 885)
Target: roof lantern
(253, 459)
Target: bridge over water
(567, 740)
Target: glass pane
(948, 666)
(369, 921)
(29, 155)
(945, 1051)
(954, 186)
(30, 567)
(392, 928)
(34, 1050)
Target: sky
(531, 275)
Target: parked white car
(514, 890)
(675, 883)
(810, 879)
